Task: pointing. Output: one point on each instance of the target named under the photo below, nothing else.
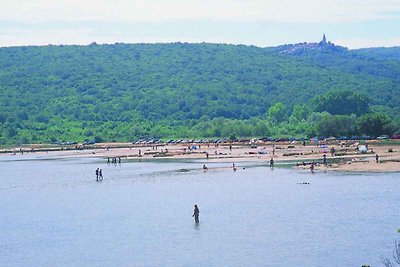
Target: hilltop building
(300, 48)
(323, 42)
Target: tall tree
(375, 124)
(342, 103)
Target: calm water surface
(54, 213)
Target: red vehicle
(396, 136)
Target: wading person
(196, 213)
(101, 174)
(97, 174)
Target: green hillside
(385, 53)
(123, 92)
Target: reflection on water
(53, 212)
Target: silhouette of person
(377, 158)
(101, 174)
(205, 167)
(97, 174)
(324, 158)
(271, 162)
(196, 213)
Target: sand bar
(346, 157)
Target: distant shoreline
(346, 158)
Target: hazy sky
(352, 23)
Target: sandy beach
(346, 157)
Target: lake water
(54, 213)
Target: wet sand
(346, 158)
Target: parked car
(396, 136)
(382, 137)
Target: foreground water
(54, 213)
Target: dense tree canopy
(124, 92)
(376, 124)
(342, 103)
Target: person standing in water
(377, 158)
(271, 163)
(101, 174)
(97, 174)
(196, 213)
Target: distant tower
(323, 42)
(324, 39)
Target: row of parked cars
(265, 139)
(362, 137)
(64, 143)
(151, 141)
(178, 141)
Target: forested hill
(385, 53)
(55, 91)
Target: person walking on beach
(101, 174)
(196, 213)
(271, 163)
(324, 158)
(377, 158)
(97, 174)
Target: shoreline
(346, 158)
